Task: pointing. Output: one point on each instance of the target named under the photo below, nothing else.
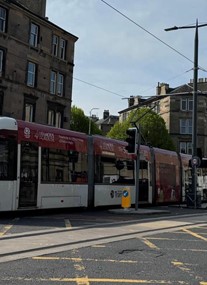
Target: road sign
(196, 161)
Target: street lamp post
(194, 115)
(89, 127)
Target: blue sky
(117, 55)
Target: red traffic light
(131, 140)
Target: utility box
(126, 198)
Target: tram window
(143, 164)
(143, 170)
(8, 159)
(62, 166)
(130, 164)
(111, 170)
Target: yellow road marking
(183, 266)
(82, 281)
(194, 234)
(81, 276)
(180, 265)
(86, 280)
(189, 249)
(173, 239)
(87, 259)
(47, 258)
(128, 281)
(177, 263)
(79, 267)
(5, 229)
(150, 244)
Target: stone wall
(36, 6)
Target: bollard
(126, 198)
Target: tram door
(28, 175)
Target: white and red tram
(43, 167)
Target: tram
(43, 167)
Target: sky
(123, 49)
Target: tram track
(5, 234)
(50, 241)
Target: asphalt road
(14, 223)
(168, 248)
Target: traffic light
(131, 140)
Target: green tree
(152, 128)
(80, 122)
(118, 131)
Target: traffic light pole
(137, 166)
(133, 141)
(194, 115)
(194, 133)
(137, 161)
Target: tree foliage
(118, 131)
(152, 128)
(80, 122)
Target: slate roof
(109, 120)
(188, 88)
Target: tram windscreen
(8, 159)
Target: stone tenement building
(175, 106)
(36, 64)
(107, 122)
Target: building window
(58, 119)
(51, 117)
(59, 47)
(190, 104)
(54, 45)
(29, 112)
(186, 126)
(56, 83)
(34, 31)
(54, 118)
(29, 108)
(31, 74)
(52, 82)
(186, 104)
(186, 147)
(1, 61)
(60, 84)
(62, 48)
(1, 103)
(156, 107)
(3, 14)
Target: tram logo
(49, 137)
(27, 133)
(116, 193)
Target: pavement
(36, 243)
(157, 210)
(139, 211)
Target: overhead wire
(101, 88)
(145, 30)
(151, 34)
(154, 36)
(169, 79)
